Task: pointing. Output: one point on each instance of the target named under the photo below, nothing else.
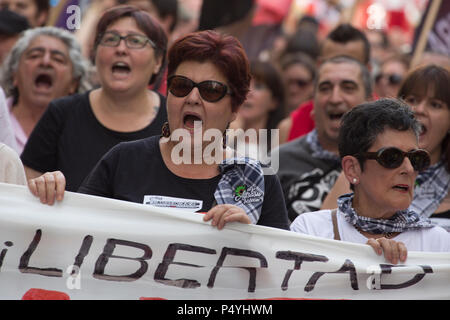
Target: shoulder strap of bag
(335, 225)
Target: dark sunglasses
(210, 90)
(392, 158)
(393, 79)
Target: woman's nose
(420, 108)
(407, 166)
(193, 96)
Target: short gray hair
(80, 65)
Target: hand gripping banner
(94, 248)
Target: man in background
(343, 40)
(310, 165)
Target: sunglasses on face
(210, 90)
(132, 41)
(393, 79)
(392, 158)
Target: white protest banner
(94, 248)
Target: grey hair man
(44, 64)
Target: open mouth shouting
(335, 116)
(121, 69)
(44, 81)
(190, 118)
(423, 129)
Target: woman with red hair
(208, 80)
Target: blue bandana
(401, 221)
(242, 184)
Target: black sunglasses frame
(381, 157)
(199, 86)
(393, 79)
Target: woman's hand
(48, 187)
(393, 250)
(224, 213)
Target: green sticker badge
(240, 190)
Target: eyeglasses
(393, 79)
(392, 158)
(132, 41)
(211, 91)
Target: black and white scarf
(242, 184)
(401, 221)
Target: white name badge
(189, 205)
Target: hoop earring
(224, 140)
(165, 130)
(224, 137)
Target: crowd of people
(356, 145)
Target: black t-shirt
(69, 138)
(134, 171)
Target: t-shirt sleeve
(438, 239)
(41, 150)
(11, 169)
(273, 213)
(6, 130)
(299, 225)
(317, 223)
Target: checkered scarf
(317, 150)
(401, 221)
(242, 184)
(432, 186)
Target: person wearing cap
(11, 25)
(35, 11)
(233, 17)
